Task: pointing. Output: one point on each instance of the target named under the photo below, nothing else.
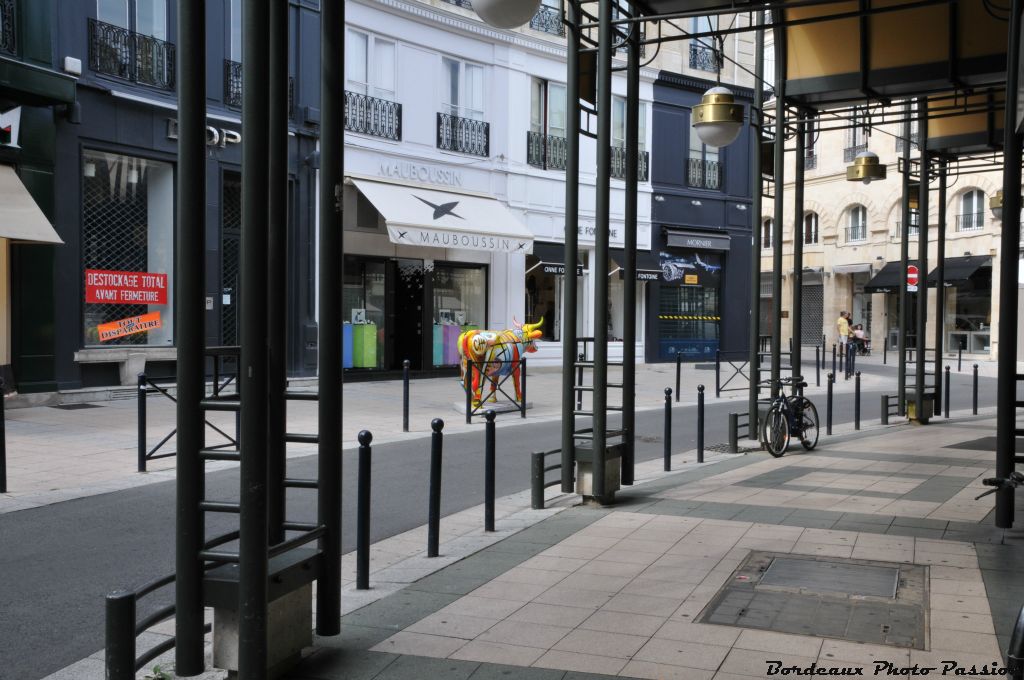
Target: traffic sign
(912, 275)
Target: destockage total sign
(125, 288)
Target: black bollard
(120, 635)
(363, 512)
(718, 374)
(434, 512)
(489, 471)
(828, 403)
(142, 423)
(579, 383)
(522, 393)
(945, 399)
(974, 394)
(700, 423)
(668, 429)
(679, 370)
(469, 391)
(734, 433)
(959, 358)
(856, 401)
(885, 350)
(833, 358)
(817, 366)
(537, 480)
(405, 396)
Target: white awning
(20, 217)
(443, 219)
(851, 268)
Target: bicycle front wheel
(807, 414)
(775, 432)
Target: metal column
(190, 294)
(904, 298)
(922, 260)
(572, 201)
(629, 266)
(600, 266)
(1008, 252)
(277, 269)
(332, 169)
(756, 137)
(798, 243)
(940, 284)
(252, 373)
(777, 220)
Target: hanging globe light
(865, 168)
(718, 119)
(995, 204)
(506, 13)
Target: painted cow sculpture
(496, 354)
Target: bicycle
(788, 416)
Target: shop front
(968, 303)
(423, 266)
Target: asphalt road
(58, 562)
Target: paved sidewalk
(64, 452)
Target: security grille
(813, 320)
(114, 234)
(231, 241)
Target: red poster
(125, 288)
(135, 324)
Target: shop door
(812, 321)
(405, 312)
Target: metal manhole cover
(75, 407)
(832, 577)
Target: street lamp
(865, 168)
(506, 13)
(718, 119)
(995, 204)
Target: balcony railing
(548, 20)
(810, 161)
(970, 222)
(914, 138)
(619, 164)
(8, 39)
(855, 234)
(464, 135)
(703, 174)
(897, 233)
(705, 58)
(850, 152)
(545, 151)
(233, 86)
(119, 52)
(372, 116)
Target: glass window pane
(618, 121)
(459, 305)
(356, 59)
(151, 18)
(474, 91)
(236, 30)
(556, 109)
(536, 105)
(450, 83)
(384, 68)
(113, 12)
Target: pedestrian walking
(843, 331)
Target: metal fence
(704, 58)
(850, 152)
(233, 86)
(704, 174)
(373, 116)
(970, 222)
(546, 151)
(548, 20)
(119, 52)
(619, 164)
(464, 135)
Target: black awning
(552, 258)
(960, 269)
(648, 267)
(888, 278)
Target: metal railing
(855, 234)
(121, 53)
(538, 471)
(704, 58)
(545, 151)
(619, 164)
(233, 86)
(739, 423)
(8, 23)
(548, 20)
(482, 381)
(970, 222)
(889, 407)
(373, 116)
(704, 174)
(464, 135)
(737, 363)
(850, 152)
(897, 232)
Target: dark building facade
(106, 305)
(700, 219)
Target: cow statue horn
(515, 323)
(530, 329)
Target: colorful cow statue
(496, 354)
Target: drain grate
(75, 407)
(823, 576)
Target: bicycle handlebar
(1013, 481)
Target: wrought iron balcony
(548, 20)
(914, 139)
(545, 151)
(855, 234)
(850, 152)
(897, 233)
(121, 53)
(619, 164)
(810, 161)
(460, 3)
(233, 86)
(705, 58)
(970, 222)
(464, 135)
(372, 116)
(8, 36)
(703, 174)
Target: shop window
(811, 228)
(363, 310)
(127, 250)
(766, 233)
(370, 65)
(459, 305)
(463, 89)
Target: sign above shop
(696, 240)
(559, 269)
(219, 137)
(418, 172)
(10, 126)
(125, 288)
(129, 326)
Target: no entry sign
(912, 274)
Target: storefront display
(688, 304)
(460, 303)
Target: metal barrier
(738, 366)
(945, 399)
(538, 470)
(890, 407)
(974, 392)
(735, 425)
(667, 451)
(495, 380)
(405, 395)
(434, 509)
(700, 423)
(828, 404)
(363, 512)
(489, 467)
(856, 402)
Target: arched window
(810, 228)
(858, 226)
(766, 233)
(972, 211)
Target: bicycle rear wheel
(808, 417)
(775, 432)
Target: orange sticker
(689, 278)
(129, 326)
